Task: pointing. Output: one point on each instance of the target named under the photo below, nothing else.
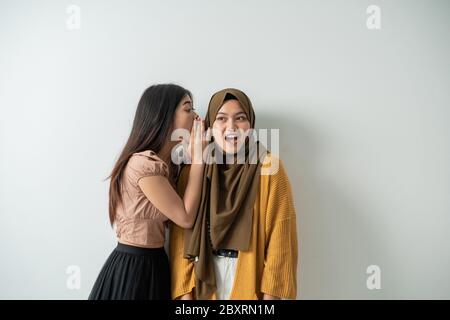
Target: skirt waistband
(121, 247)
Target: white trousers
(225, 269)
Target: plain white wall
(363, 116)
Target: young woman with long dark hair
(143, 198)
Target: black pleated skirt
(133, 273)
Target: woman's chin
(230, 148)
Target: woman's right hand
(198, 141)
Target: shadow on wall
(336, 241)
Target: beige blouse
(138, 221)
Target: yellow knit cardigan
(270, 264)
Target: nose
(196, 115)
(231, 124)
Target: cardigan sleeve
(279, 276)
(182, 270)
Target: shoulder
(147, 163)
(273, 167)
(275, 190)
(274, 177)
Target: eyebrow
(240, 112)
(187, 102)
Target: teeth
(230, 137)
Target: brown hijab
(224, 219)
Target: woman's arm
(161, 194)
(279, 278)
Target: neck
(165, 153)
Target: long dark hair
(151, 129)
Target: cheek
(244, 126)
(183, 121)
(218, 130)
(188, 122)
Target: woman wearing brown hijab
(243, 244)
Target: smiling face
(230, 126)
